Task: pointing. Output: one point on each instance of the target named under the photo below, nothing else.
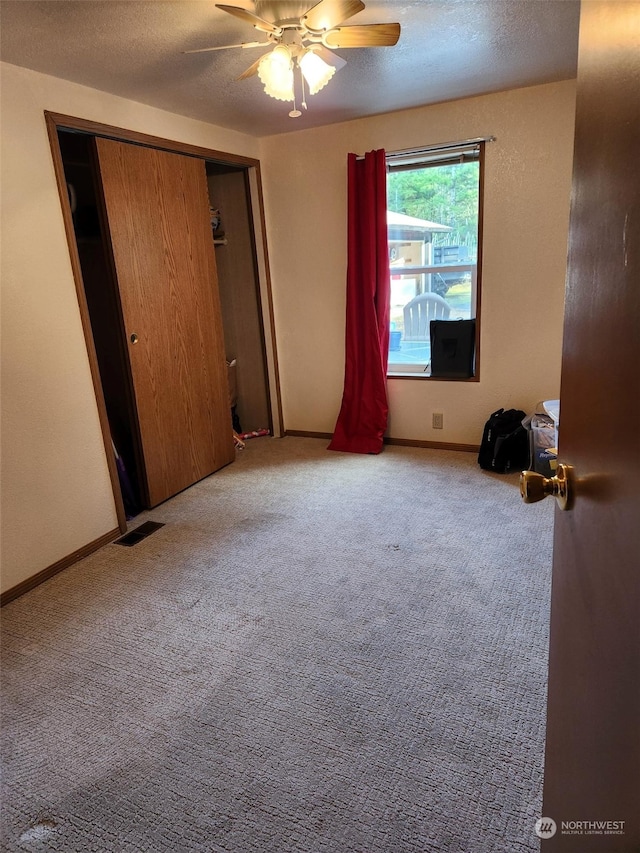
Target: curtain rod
(441, 147)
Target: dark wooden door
(157, 211)
(592, 763)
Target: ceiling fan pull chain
(295, 112)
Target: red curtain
(363, 414)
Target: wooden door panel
(157, 210)
(592, 762)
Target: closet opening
(242, 320)
(232, 189)
(105, 315)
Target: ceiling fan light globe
(276, 73)
(316, 71)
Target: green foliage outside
(447, 195)
(459, 299)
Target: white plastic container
(552, 408)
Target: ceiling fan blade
(228, 46)
(250, 18)
(251, 70)
(330, 57)
(366, 35)
(327, 14)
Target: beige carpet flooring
(318, 652)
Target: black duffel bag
(505, 442)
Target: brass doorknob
(534, 487)
(134, 338)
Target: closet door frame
(56, 122)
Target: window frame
(429, 157)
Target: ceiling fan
(302, 38)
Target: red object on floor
(256, 433)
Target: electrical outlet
(437, 420)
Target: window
(434, 202)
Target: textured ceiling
(447, 50)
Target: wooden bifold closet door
(157, 213)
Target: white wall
(527, 191)
(56, 492)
